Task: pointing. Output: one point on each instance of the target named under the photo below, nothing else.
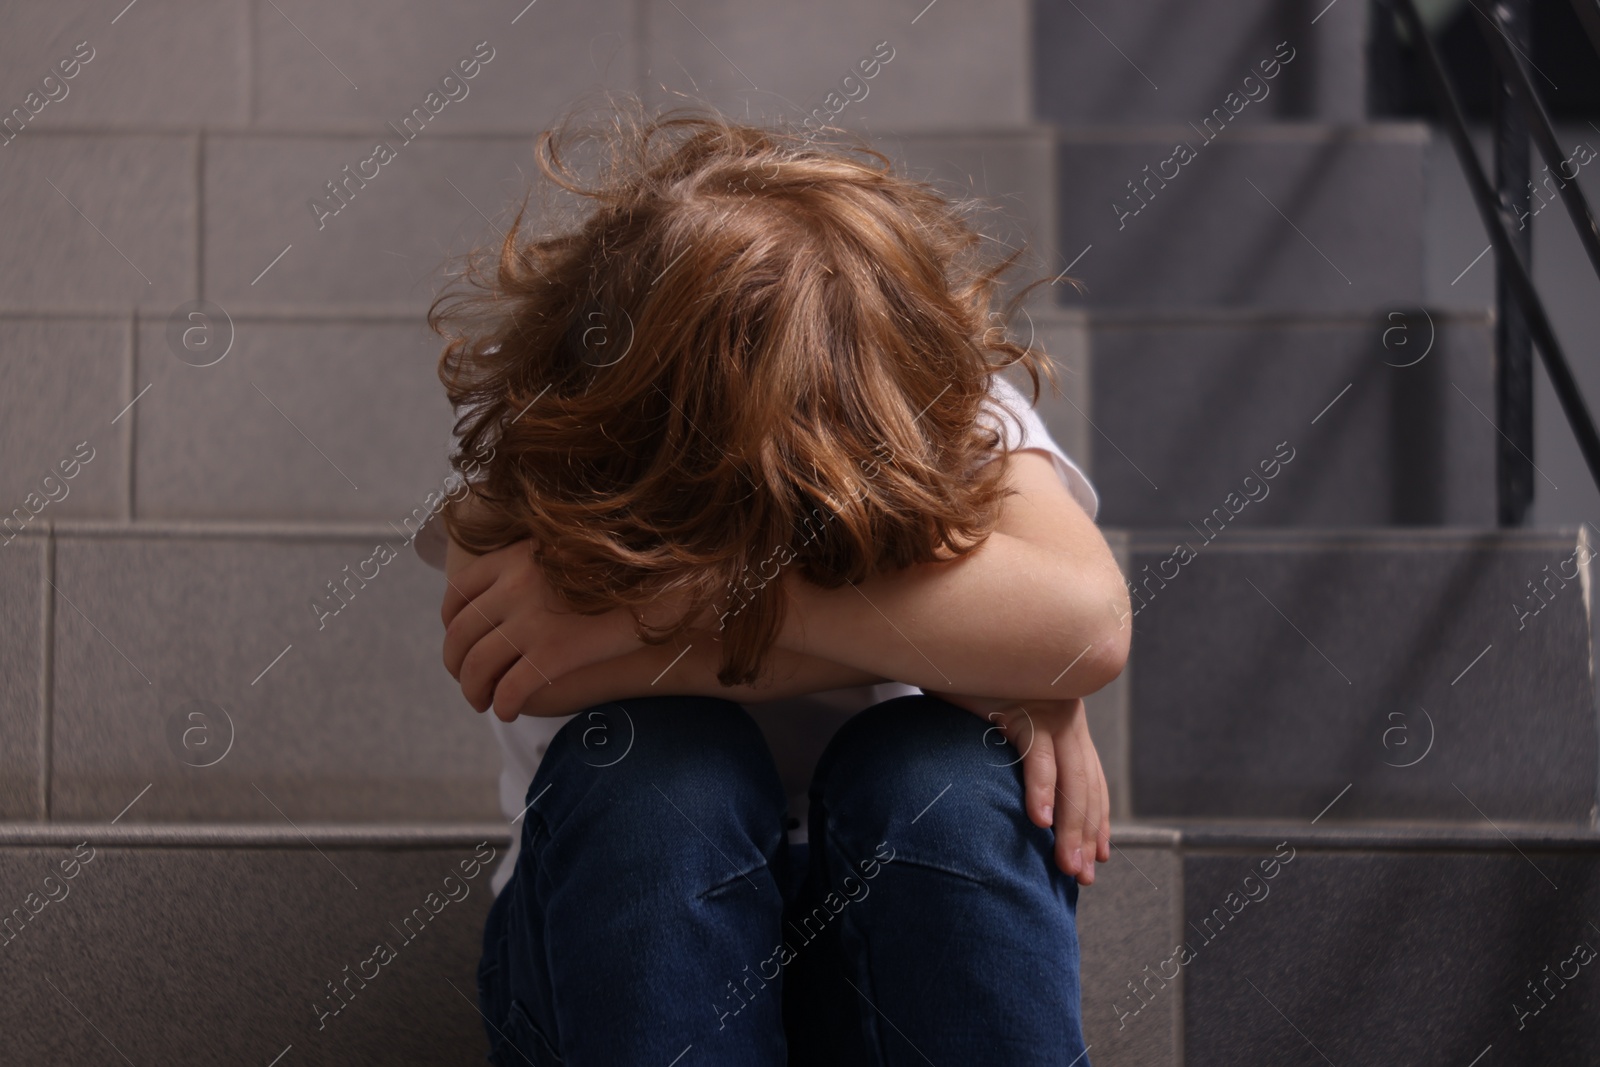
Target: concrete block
(1387, 419)
(1294, 218)
(1357, 957)
(385, 249)
(1127, 922)
(66, 381)
(541, 58)
(146, 949)
(245, 703)
(299, 421)
(97, 222)
(1407, 675)
(22, 655)
(1098, 62)
(201, 78)
(770, 59)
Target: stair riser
(224, 956)
(1100, 62)
(346, 716)
(1393, 958)
(1268, 675)
(1219, 230)
(1387, 420)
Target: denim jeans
(658, 916)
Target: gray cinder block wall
(251, 375)
(241, 388)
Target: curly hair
(753, 347)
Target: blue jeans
(658, 916)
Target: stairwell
(1354, 755)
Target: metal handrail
(1515, 271)
(1544, 135)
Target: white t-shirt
(796, 729)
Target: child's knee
(654, 762)
(903, 749)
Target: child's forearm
(1038, 611)
(1007, 621)
(669, 670)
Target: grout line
(47, 671)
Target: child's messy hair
(757, 348)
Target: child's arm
(682, 670)
(1042, 595)
(493, 669)
(1038, 612)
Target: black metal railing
(1521, 323)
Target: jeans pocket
(519, 1043)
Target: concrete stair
(1203, 943)
(1187, 405)
(243, 944)
(1212, 943)
(1420, 668)
(1308, 678)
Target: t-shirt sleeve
(1025, 430)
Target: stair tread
(1362, 834)
(254, 835)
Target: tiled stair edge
(1211, 834)
(247, 835)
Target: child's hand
(1063, 783)
(506, 635)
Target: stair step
(129, 931)
(1367, 944)
(1386, 414)
(1274, 669)
(811, 57)
(1099, 61)
(340, 715)
(1283, 217)
(216, 944)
